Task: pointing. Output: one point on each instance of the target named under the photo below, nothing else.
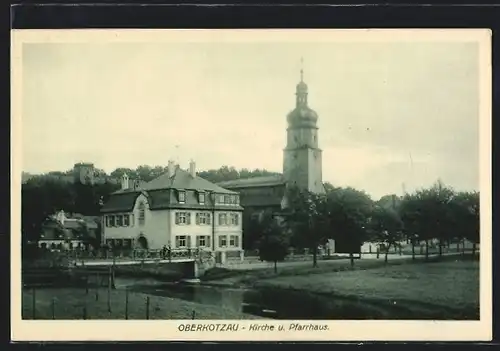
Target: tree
(41, 197)
(387, 227)
(119, 172)
(252, 231)
(349, 210)
(308, 219)
(465, 209)
(274, 241)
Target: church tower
(302, 165)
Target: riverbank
(74, 303)
(443, 288)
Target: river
(264, 302)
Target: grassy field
(446, 288)
(70, 303)
(441, 290)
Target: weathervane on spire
(301, 69)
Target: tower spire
(301, 69)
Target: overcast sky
(389, 113)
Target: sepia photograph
(252, 176)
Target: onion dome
(302, 115)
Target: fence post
(109, 291)
(147, 307)
(97, 288)
(53, 308)
(126, 303)
(113, 286)
(34, 303)
(87, 284)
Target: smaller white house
(63, 232)
(177, 210)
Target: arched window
(142, 213)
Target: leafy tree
(387, 227)
(308, 219)
(465, 209)
(414, 212)
(349, 210)
(118, 173)
(252, 231)
(328, 187)
(429, 214)
(274, 241)
(41, 197)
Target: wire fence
(92, 302)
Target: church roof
(264, 191)
(262, 181)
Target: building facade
(177, 210)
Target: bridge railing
(140, 254)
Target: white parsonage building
(178, 210)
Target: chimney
(171, 168)
(192, 169)
(125, 181)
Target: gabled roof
(254, 182)
(121, 202)
(161, 194)
(180, 180)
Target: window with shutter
(197, 219)
(237, 241)
(177, 241)
(222, 241)
(177, 215)
(209, 218)
(189, 241)
(126, 220)
(188, 218)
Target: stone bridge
(184, 264)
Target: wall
(156, 226)
(160, 228)
(228, 230)
(192, 230)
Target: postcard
(256, 185)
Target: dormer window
(201, 198)
(182, 196)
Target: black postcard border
(31, 15)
